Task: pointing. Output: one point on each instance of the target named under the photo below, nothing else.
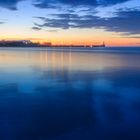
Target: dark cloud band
(10, 4)
(126, 22)
(91, 3)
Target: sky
(72, 22)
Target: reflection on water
(69, 95)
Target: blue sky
(71, 21)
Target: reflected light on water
(69, 95)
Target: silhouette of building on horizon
(28, 43)
(22, 43)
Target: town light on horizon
(114, 22)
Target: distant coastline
(28, 43)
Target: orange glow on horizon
(109, 41)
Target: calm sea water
(70, 94)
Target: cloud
(52, 31)
(111, 2)
(125, 21)
(91, 3)
(54, 3)
(2, 22)
(137, 37)
(10, 4)
(36, 28)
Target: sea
(70, 93)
